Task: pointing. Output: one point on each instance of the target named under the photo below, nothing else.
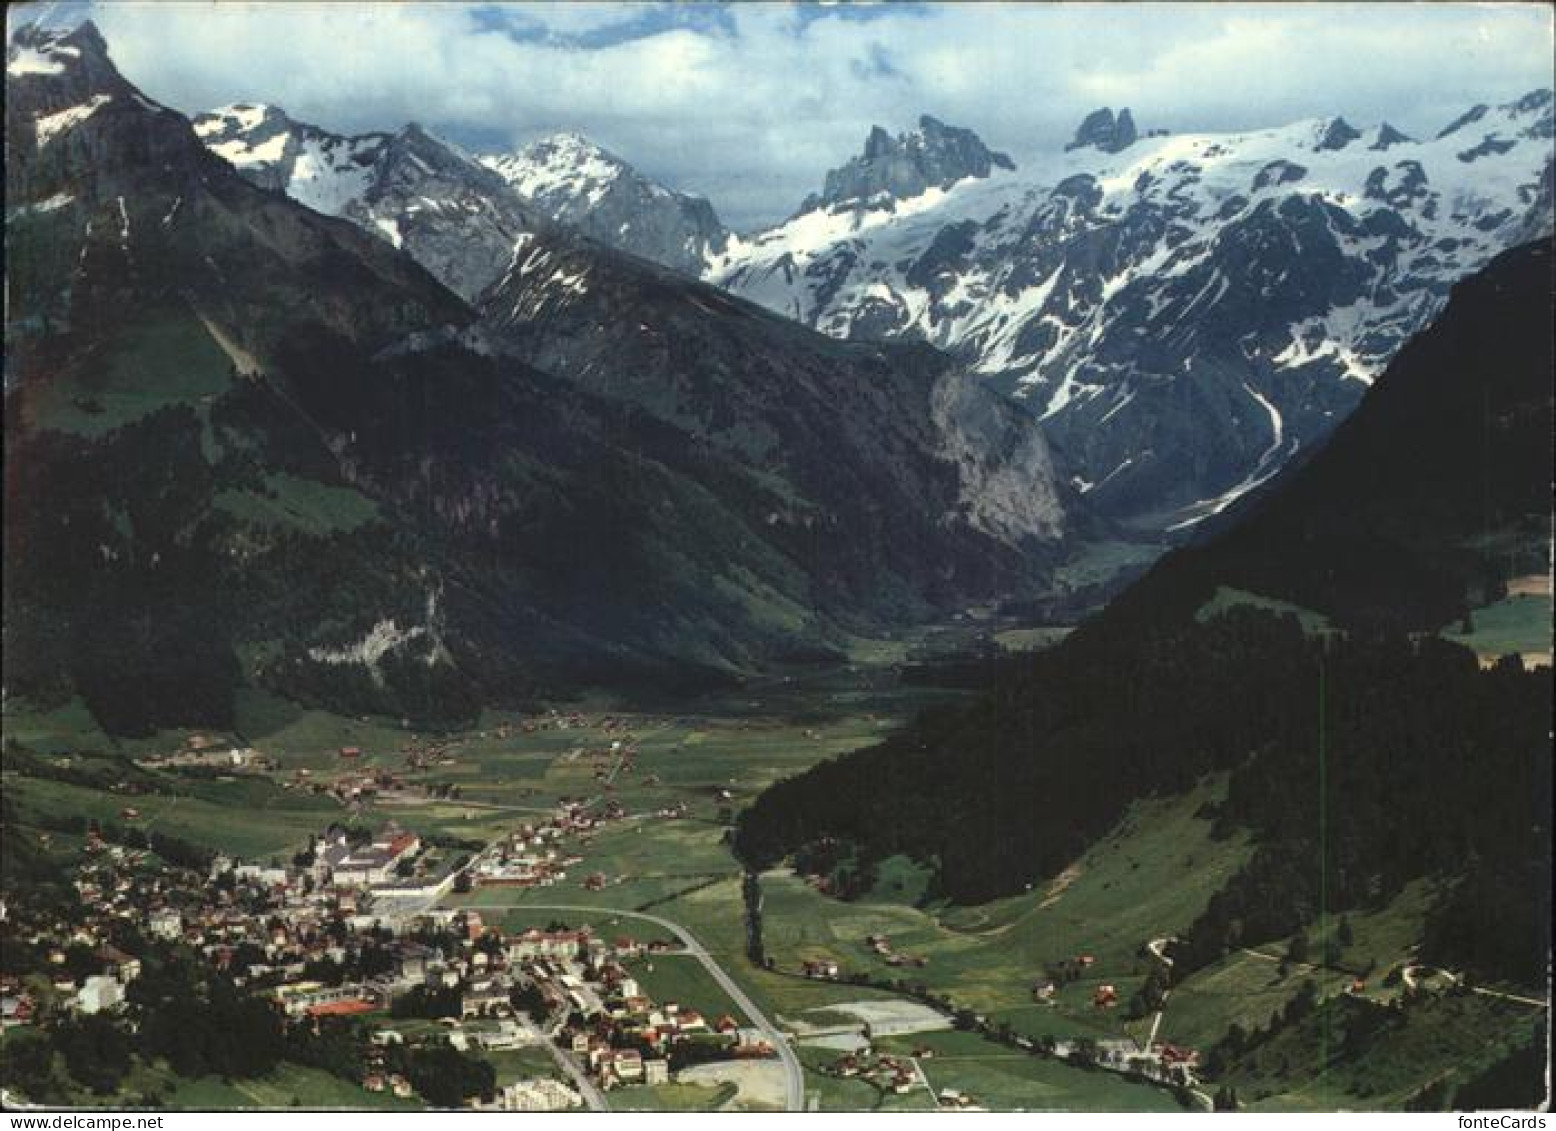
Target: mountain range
(1184, 313)
(251, 443)
(459, 215)
(374, 425)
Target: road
(1409, 976)
(1158, 950)
(794, 1089)
(591, 1095)
(923, 1078)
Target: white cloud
(751, 104)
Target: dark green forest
(1360, 757)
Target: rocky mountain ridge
(577, 183)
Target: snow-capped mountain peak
(322, 170)
(561, 166)
(410, 187)
(239, 117)
(36, 50)
(1185, 312)
(579, 183)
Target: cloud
(750, 104)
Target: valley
(1034, 1001)
(1057, 634)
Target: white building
(539, 1094)
(166, 923)
(99, 992)
(336, 861)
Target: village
(349, 932)
(399, 935)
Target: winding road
(794, 1086)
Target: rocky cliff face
(933, 156)
(1184, 313)
(903, 472)
(1101, 130)
(109, 191)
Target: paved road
(794, 1099)
(591, 1095)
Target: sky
(749, 104)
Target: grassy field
(899, 879)
(167, 360)
(300, 504)
(245, 818)
(1520, 623)
(1097, 562)
(69, 729)
(833, 1093)
(672, 1097)
(1227, 598)
(521, 1064)
(1247, 987)
(1150, 878)
(1006, 1079)
(994, 1076)
(289, 1086)
(1030, 639)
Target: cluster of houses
(887, 1072)
(559, 720)
(94, 993)
(620, 1035)
(1165, 1063)
(355, 789)
(17, 1006)
(1069, 970)
(265, 926)
(954, 1099)
(532, 855)
(391, 1082)
(335, 932)
(301, 935)
(203, 752)
(84, 970)
(539, 855)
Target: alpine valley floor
(888, 1001)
